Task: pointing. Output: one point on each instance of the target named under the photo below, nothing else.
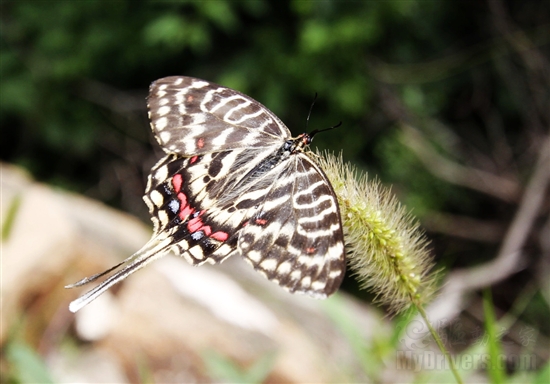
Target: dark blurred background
(445, 101)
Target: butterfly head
(303, 140)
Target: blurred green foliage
(280, 53)
(26, 364)
(221, 368)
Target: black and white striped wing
(295, 237)
(190, 117)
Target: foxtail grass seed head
(387, 250)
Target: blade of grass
(369, 356)
(494, 368)
(7, 223)
(223, 368)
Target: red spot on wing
(193, 159)
(200, 142)
(261, 221)
(177, 181)
(220, 236)
(207, 230)
(183, 199)
(194, 225)
(186, 212)
(310, 250)
(185, 209)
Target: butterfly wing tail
(153, 250)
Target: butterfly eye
(287, 145)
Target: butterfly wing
(295, 237)
(191, 117)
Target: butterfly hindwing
(295, 237)
(180, 207)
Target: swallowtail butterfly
(234, 182)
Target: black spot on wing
(217, 163)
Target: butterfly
(234, 182)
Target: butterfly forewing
(191, 116)
(235, 182)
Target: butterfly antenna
(311, 109)
(316, 131)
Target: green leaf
(27, 365)
(315, 37)
(224, 369)
(543, 376)
(495, 367)
(168, 29)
